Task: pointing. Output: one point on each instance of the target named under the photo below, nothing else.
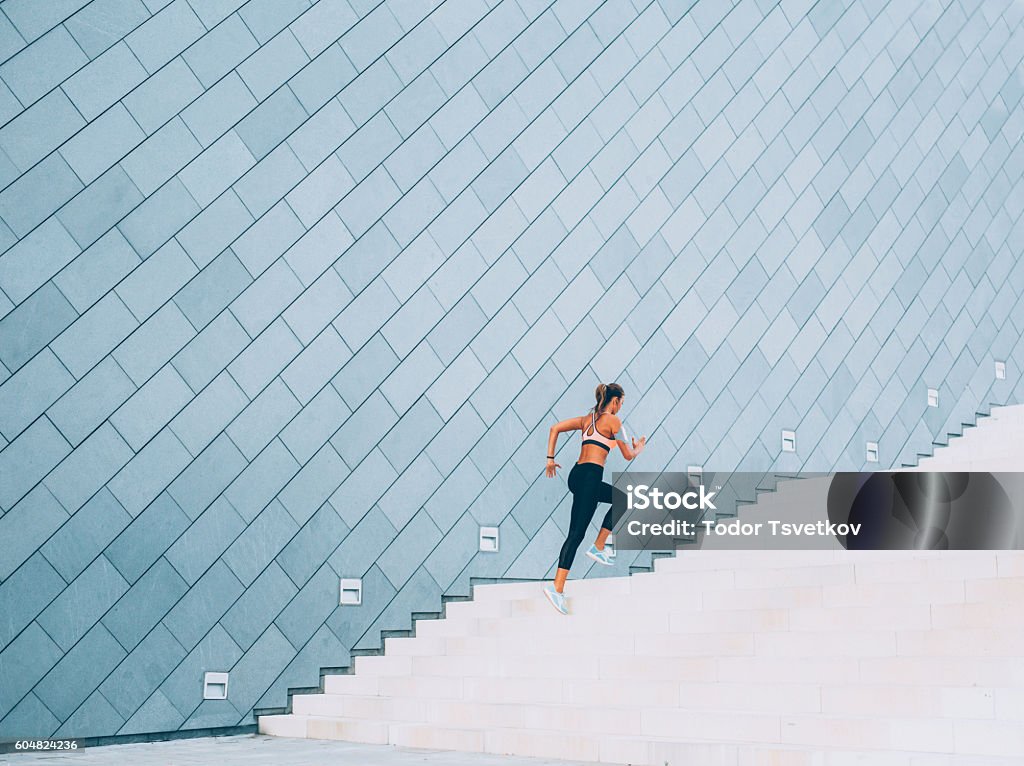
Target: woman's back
(596, 444)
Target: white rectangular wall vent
(872, 452)
(215, 686)
(489, 539)
(933, 397)
(788, 441)
(351, 591)
(1000, 370)
(609, 545)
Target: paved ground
(254, 749)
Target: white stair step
(838, 645)
(719, 644)
(874, 617)
(945, 671)
(961, 642)
(697, 559)
(1009, 704)
(659, 752)
(450, 627)
(423, 687)
(997, 589)
(626, 669)
(383, 665)
(722, 621)
(728, 621)
(977, 614)
(635, 693)
(788, 740)
(681, 582)
(349, 730)
(414, 646)
(1010, 563)
(282, 725)
(343, 683)
(513, 690)
(594, 606)
(1006, 464)
(325, 727)
(420, 735)
(548, 621)
(492, 715)
(514, 646)
(874, 732)
(519, 590)
(740, 560)
(880, 594)
(859, 700)
(954, 566)
(648, 611)
(896, 700)
(543, 744)
(372, 708)
(947, 565)
(481, 666)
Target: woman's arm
(638, 447)
(571, 424)
(629, 452)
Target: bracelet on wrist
(551, 457)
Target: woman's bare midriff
(591, 453)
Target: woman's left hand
(550, 469)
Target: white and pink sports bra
(592, 436)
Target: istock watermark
(640, 497)
(884, 510)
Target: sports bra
(596, 437)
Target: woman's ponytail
(604, 393)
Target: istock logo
(641, 497)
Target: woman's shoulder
(611, 422)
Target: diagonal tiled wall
(292, 290)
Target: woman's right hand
(550, 468)
(638, 446)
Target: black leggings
(588, 489)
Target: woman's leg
(608, 494)
(560, 577)
(584, 503)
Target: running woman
(585, 480)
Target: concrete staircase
(714, 658)
(718, 657)
(994, 443)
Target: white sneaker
(557, 599)
(600, 556)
